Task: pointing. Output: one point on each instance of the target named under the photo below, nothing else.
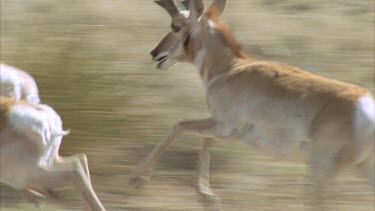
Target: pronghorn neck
(217, 52)
(213, 62)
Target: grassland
(91, 61)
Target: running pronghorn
(30, 137)
(276, 108)
(18, 84)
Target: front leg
(211, 201)
(203, 177)
(206, 127)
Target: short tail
(61, 133)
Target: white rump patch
(42, 126)
(30, 122)
(366, 108)
(364, 122)
(365, 115)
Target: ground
(92, 64)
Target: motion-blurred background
(91, 61)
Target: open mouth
(161, 60)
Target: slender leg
(71, 170)
(203, 181)
(211, 201)
(34, 196)
(367, 169)
(206, 127)
(323, 168)
(83, 160)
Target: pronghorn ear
(216, 9)
(199, 7)
(170, 6)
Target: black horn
(170, 6)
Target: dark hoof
(34, 197)
(138, 181)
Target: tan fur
(332, 102)
(278, 109)
(5, 104)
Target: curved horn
(199, 6)
(170, 6)
(216, 9)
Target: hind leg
(34, 197)
(210, 200)
(70, 170)
(323, 168)
(82, 158)
(367, 168)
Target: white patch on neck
(199, 63)
(199, 58)
(211, 24)
(185, 13)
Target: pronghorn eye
(175, 28)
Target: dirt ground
(91, 62)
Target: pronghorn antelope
(17, 84)
(279, 109)
(30, 137)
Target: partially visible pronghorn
(30, 137)
(17, 84)
(274, 107)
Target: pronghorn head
(190, 30)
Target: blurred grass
(91, 62)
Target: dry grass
(90, 59)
